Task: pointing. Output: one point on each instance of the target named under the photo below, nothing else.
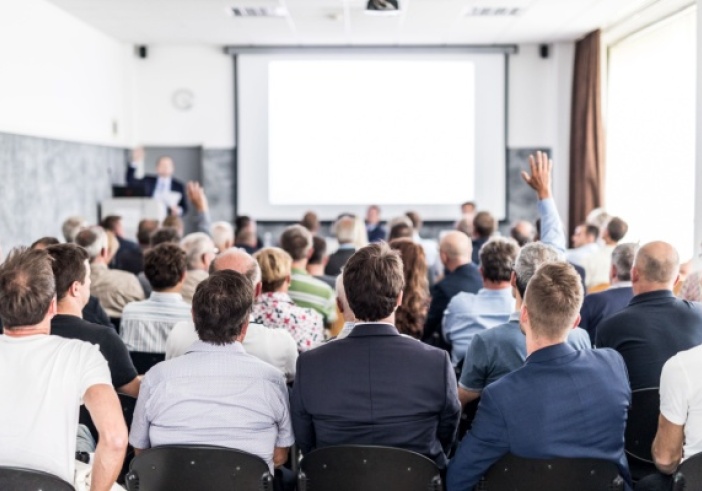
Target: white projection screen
(335, 133)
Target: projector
(383, 6)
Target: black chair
(689, 474)
(512, 473)
(367, 468)
(641, 427)
(16, 479)
(196, 468)
(144, 361)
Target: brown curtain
(587, 155)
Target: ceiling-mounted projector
(383, 6)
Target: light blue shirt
(552, 232)
(580, 254)
(470, 313)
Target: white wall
(61, 78)
(539, 108)
(698, 175)
(203, 70)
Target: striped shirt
(309, 292)
(146, 325)
(214, 395)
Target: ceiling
(344, 22)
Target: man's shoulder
(499, 333)
(305, 283)
(76, 328)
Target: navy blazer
(561, 403)
(149, 183)
(598, 306)
(337, 260)
(376, 387)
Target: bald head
(656, 267)
(240, 261)
(456, 249)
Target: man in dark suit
(344, 231)
(598, 306)
(159, 185)
(129, 256)
(656, 325)
(455, 252)
(375, 387)
(484, 226)
(374, 227)
(561, 403)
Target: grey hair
(195, 245)
(71, 226)
(93, 240)
(530, 258)
(222, 232)
(623, 259)
(400, 219)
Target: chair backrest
(144, 361)
(16, 479)
(642, 423)
(689, 475)
(197, 467)
(513, 473)
(367, 468)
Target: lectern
(132, 211)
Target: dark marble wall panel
(42, 182)
(218, 169)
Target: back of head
(415, 219)
(240, 261)
(196, 246)
(221, 306)
(223, 235)
(319, 250)
(146, 228)
(553, 299)
(27, 288)
(592, 231)
(522, 232)
(657, 265)
(111, 223)
(468, 207)
(456, 247)
(241, 222)
(399, 231)
(164, 266)
(344, 229)
(68, 265)
(93, 240)
(413, 259)
(623, 259)
(44, 242)
(164, 235)
(530, 258)
(275, 266)
(484, 224)
(617, 229)
(174, 221)
(373, 281)
(465, 225)
(310, 221)
(71, 226)
(496, 259)
(411, 315)
(296, 240)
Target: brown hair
(319, 250)
(44, 242)
(164, 266)
(484, 224)
(310, 221)
(296, 240)
(275, 266)
(497, 258)
(617, 229)
(221, 306)
(110, 222)
(68, 265)
(400, 230)
(146, 228)
(27, 287)
(373, 279)
(164, 235)
(410, 316)
(173, 221)
(553, 299)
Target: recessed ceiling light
(257, 11)
(492, 11)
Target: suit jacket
(337, 260)
(149, 183)
(598, 306)
(561, 403)
(465, 278)
(376, 387)
(129, 257)
(477, 244)
(376, 234)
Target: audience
(46, 379)
(175, 222)
(318, 261)
(468, 208)
(522, 232)
(344, 232)
(129, 256)
(199, 252)
(44, 242)
(598, 265)
(412, 313)
(465, 226)
(310, 221)
(222, 235)
(548, 408)
(245, 234)
(343, 306)
(71, 226)
(165, 235)
(374, 227)
(400, 230)
(431, 248)
(484, 226)
(360, 234)
(584, 244)
(146, 324)
(275, 308)
(692, 287)
(145, 229)
(375, 387)
(469, 313)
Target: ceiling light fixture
(257, 12)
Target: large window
(650, 180)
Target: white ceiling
(344, 22)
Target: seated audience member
(375, 387)
(484, 226)
(311, 222)
(44, 242)
(584, 244)
(599, 306)
(343, 230)
(455, 252)
(498, 351)
(465, 226)
(275, 309)
(469, 313)
(112, 247)
(113, 288)
(129, 256)
(72, 273)
(199, 252)
(360, 234)
(656, 325)
(164, 235)
(223, 235)
(274, 346)
(217, 394)
(343, 305)
(400, 230)
(173, 221)
(598, 266)
(146, 324)
(318, 261)
(46, 379)
(522, 232)
(374, 227)
(561, 403)
(692, 287)
(430, 246)
(411, 314)
(145, 229)
(71, 226)
(245, 234)
(305, 290)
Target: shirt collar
(94, 266)
(348, 245)
(514, 316)
(299, 271)
(204, 347)
(502, 292)
(621, 284)
(363, 329)
(648, 296)
(550, 353)
(166, 297)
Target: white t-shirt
(681, 396)
(43, 382)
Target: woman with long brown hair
(410, 316)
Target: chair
(641, 427)
(197, 467)
(144, 361)
(367, 468)
(512, 473)
(16, 479)
(598, 288)
(689, 475)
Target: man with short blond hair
(223, 235)
(200, 250)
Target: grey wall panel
(521, 203)
(218, 170)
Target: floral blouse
(277, 310)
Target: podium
(132, 211)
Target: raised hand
(540, 178)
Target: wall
(698, 175)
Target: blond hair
(276, 265)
